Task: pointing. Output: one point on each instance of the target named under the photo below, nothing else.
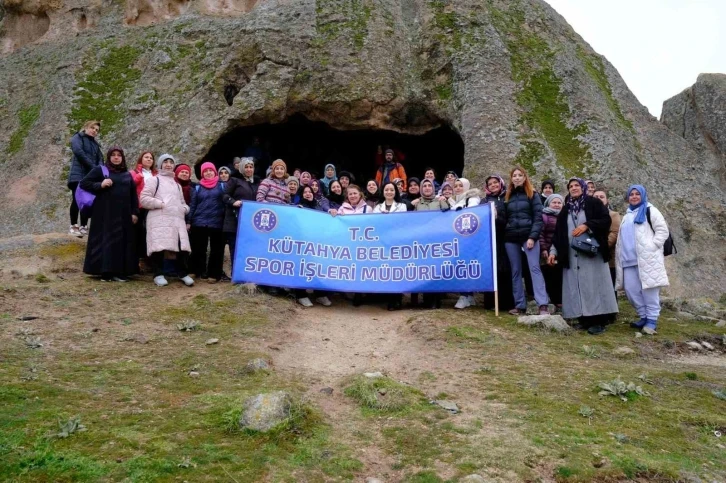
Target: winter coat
(165, 225)
(395, 208)
(138, 176)
(597, 220)
(238, 189)
(499, 225)
(523, 217)
(649, 247)
(432, 205)
(395, 171)
(86, 156)
(613, 235)
(207, 208)
(359, 209)
(549, 223)
(111, 247)
(273, 190)
(470, 198)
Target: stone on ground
(264, 412)
(552, 322)
(256, 365)
(373, 375)
(623, 351)
(448, 405)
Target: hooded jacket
(649, 249)
(86, 156)
(165, 225)
(523, 217)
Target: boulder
(552, 322)
(256, 365)
(264, 412)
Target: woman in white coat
(640, 267)
(166, 230)
(391, 200)
(464, 197)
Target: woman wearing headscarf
(464, 197)
(336, 196)
(523, 215)
(552, 275)
(496, 190)
(111, 248)
(305, 178)
(547, 188)
(640, 264)
(317, 190)
(206, 217)
(144, 170)
(224, 173)
(587, 294)
(183, 176)
(329, 175)
(346, 178)
(372, 194)
(430, 202)
(166, 230)
(412, 194)
(242, 186)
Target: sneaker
(649, 327)
(543, 310)
(462, 303)
(472, 302)
(324, 301)
(160, 281)
(640, 324)
(83, 230)
(305, 302)
(518, 312)
(75, 231)
(120, 279)
(107, 279)
(596, 330)
(188, 281)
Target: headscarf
(301, 177)
(502, 185)
(433, 192)
(467, 185)
(326, 181)
(113, 168)
(335, 198)
(574, 206)
(446, 183)
(224, 168)
(552, 211)
(305, 203)
(547, 182)
(456, 176)
(275, 163)
(348, 175)
(410, 196)
(245, 161)
(373, 197)
(642, 207)
(209, 183)
(319, 194)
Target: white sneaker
(188, 281)
(75, 231)
(305, 302)
(160, 281)
(472, 301)
(324, 301)
(83, 230)
(462, 303)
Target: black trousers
(74, 207)
(200, 237)
(181, 263)
(553, 283)
(506, 296)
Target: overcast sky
(658, 46)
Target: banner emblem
(466, 224)
(264, 221)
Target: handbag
(585, 243)
(85, 199)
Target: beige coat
(165, 225)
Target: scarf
(575, 205)
(326, 181)
(409, 195)
(433, 192)
(209, 183)
(642, 207)
(467, 185)
(312, 204)
(301, 176)
(374, 197)
(502, 186)
(116, 168)
(552, 211)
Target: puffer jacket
(394, 171)
(359, 209)
(499, 224)
(432, 205)
(86, 156)
(523, 217)
(649, 247)
(165, 225)
(272, 190)
(238, 189)
(470, 198)
(207, 208)
(549, 222)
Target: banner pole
(494, 257)
(496, 303)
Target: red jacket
(138, 177)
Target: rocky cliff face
(699, 115)
(512, 78)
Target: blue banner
(424, 251)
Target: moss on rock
(26, 118)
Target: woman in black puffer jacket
(523, 214)
(242, 185)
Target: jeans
(646, 301)
(513, 253)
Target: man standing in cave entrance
(390, 170)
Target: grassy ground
(112, 356)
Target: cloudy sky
(658, 46)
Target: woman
(430, 202)
(111, 248)
(274, 189)
(354, 204)
(430, 174)
(346, 179)
(391, 202)
(590, 187)
(587, 294)
(305, 178)
(547, 188)
(413, 193)
(329, 177)
(183, 176)
(552, 275)
(464, 197)
(144, 170)
(447, 190)
(316, 187)
(496, 190)
(293, 185)
(308, 200)
(86, 156)
(336, 197)
(450, 177)
(296, 173)
(373, 196)
(523, 215)
(242, 186)
(205, 220)
(224, 174)
(640, 263)
(166, 230)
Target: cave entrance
(311, 145)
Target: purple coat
(549, 222)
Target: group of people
(571, 251)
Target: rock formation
(512, 78)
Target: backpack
(85, 199)
(669, 247)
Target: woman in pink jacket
(354, 204)
(166, 230)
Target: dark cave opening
(311, 145)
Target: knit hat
(552, 197)
(275, 163)
(180, 167)
(293, 178)
(164, 157)
(547, 182)
(246, 161)
(414, 180)
(389, 151)
(225, 169)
